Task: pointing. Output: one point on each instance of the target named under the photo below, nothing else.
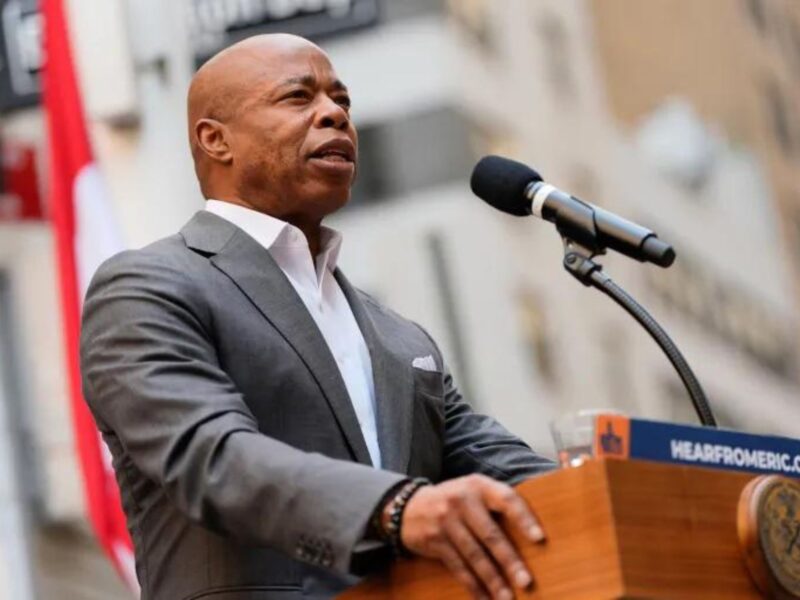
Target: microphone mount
(578, 261)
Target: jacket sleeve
(151, 376)
(477, 443)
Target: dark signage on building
(20, 53)
(216, 24)
(213, 25)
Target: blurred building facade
(668, 112)
(737, 62)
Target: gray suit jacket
(243, 471)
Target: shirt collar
(272, 233)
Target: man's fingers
(522, 517)
(456, 565)
(495, 540)
(502, 498)
(476, 558)
(458, 515)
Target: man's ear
(213, 140)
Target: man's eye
(344, 101)
(298, 94)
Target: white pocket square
(426, 363)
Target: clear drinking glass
(573, 434)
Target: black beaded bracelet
(397, 507)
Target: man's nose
(332, 114)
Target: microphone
(516, 189)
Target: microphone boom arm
(578, 262)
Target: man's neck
(312, 232)
(310, 226)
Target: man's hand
(453, 522)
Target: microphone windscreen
(501, 182)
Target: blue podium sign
(621, 437)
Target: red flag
(85, 235)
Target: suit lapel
(394, 386)
(255, 273)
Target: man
(268, 422)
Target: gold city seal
(769, 534)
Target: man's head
(270, 128)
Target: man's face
(293, 143)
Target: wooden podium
(616, 529)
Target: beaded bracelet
(398, 504)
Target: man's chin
(335, 203)
(328, 193)
(328, 199)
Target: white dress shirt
(320, 292)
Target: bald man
(274, 430)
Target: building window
(794, 34)
(556, 54)
(617, 365)
(406, 9)
(794, 228)
(473, 17)
(757, 12)
(537, 338)
(780, 119)
(488, 136)
(410, 153)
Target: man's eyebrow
(307, 80)
(310, 81)
(339, 86)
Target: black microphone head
(501, 182)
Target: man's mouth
(332, 156)
(337, 151)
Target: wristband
(397, 505)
